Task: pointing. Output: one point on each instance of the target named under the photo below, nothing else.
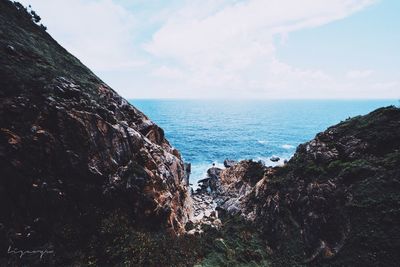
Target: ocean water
(209, 131)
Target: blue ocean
(209, 131)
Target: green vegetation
(308, 200)
(119, 243)
(351, 200)
(38, 58)
(236, 244)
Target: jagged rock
(246, 173)
(229, 163)
(72, 151)
(207, 213)
(217, 222)
(214, 172)
(210, 184)
(334, 200)
(274, 159)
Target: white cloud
(204, 48)
(359, 74)
(167, 72)
(232, 47)
(100, 33)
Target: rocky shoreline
(338, 190)
(215, 194)
(86, 175)
(205, 205)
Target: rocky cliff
(335, 203)
(72, 151)
(88, 179)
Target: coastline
(199, 170)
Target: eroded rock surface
(336, 202)
(223, 190)
(72, 150)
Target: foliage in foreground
(120, 244)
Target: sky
(255, 49)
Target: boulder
(229, 163)
(274, 159)
(214, 172)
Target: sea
(207, 132)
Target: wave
(287, 146)
(263, 142)
(199, 171)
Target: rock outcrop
(211, 183)
(89, 179)
(72, 150)
(229, 163)
(274, 159)
(224, 190)
(335, 203)
(237, 182)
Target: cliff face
(72, 150)
(89, 177)
(335, 203)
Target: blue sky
(234, 49)
(368, 39)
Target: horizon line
(264, 99)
